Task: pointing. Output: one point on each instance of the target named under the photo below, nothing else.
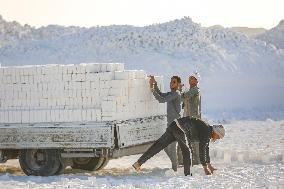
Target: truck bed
(111, 135)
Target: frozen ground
(250, 156)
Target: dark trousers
(173, 133)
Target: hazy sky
(250, 13)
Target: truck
(79, 115)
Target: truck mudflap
(63, 135)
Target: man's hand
(180, 86)
(211, 168)
(152, 81)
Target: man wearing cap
(192, 97)
(184, 131)
(192, 107)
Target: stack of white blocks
(75, 93)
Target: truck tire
(88, 164)
(61, 169)
(40, 162)
(105, 162)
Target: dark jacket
(197, 130)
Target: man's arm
(190, 93)
(204, 153)
(204, 138)
(163, 97)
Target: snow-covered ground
(250, 156)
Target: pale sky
(228, 13)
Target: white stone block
(140, 74)
(92, 77)
(6, 116)
(10, 116)
(108, 106)
(78, 114)
(119, 67)
(118, 92)
(6, 71)
(93, 115)
(35, 116)
(87, 85)
(31, 116)
(62, 115)
(43, 102)
(83, 113)
(69, 113)
(66, 77)
(71, 69)
(79, 93)
(39, 70)
(86, 101)
(103, 67)
(119, 83)
(110, 67)
(121, 75)
(125, 75)
(47, 115)
(105, 92)
(137, 83)
(83, 85)
(106, 76)
(81, 68)
(89, 115)
(98, 115)
(1, 71)
(57, 115)
(42, 115)
(93, 68)
(64, 69)
(1, 116)
(50, 86)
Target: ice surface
(250, 156)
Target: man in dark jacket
(186, 130)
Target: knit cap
(219, 130)
(196, 75)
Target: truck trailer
(79, 115)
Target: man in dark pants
(186, 130)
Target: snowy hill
(232, 66)
(274, 36)
(250, 32)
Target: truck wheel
(89, 164)
(105, 162)
(40, 162)
(60, 169)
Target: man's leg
(179, 154)
(171, 151)
(185, 148)
(186, 156)
(195, 153)
(166, 139)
